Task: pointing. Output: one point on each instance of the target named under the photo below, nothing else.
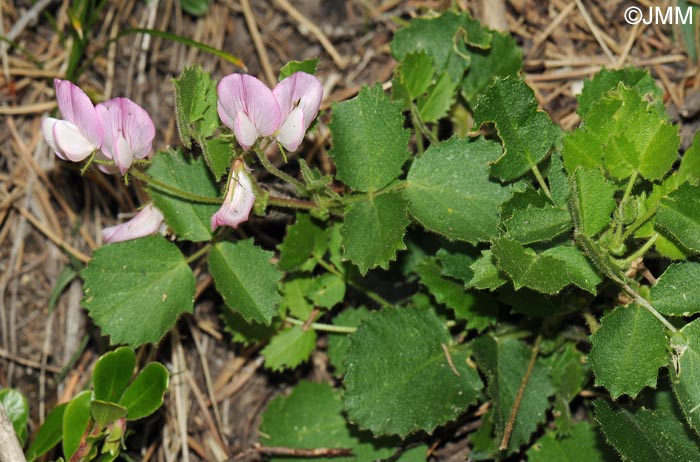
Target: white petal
(147, 221)
(123, 154)
(47, 130)
(245, 131)
(291, 133)
(70, 142)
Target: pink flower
(148, 221)
(238, 201)
(128, 131)
(80, 133)
(252, 110)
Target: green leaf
(627, 351)
(439, 100)
(219, 154)
(105, 413)
(136, 290)
(415, 73)
(112, 374)
(685, 371)
(537, 224)
(689, 169)
(398, 379)
(194, 7)
(338, 344)
(627, 134)
(676, 292)
(308, 66)
(190, 220)
(312, 417)
(449, 191)
(679, 215)
(76, 418)
(608, 80)
(289, 348)
(478, 310)
(505, 361)
(528, 135)
(592, 201)
(294, 297)
(145, 394)
(444, 39)
(369, 141)
(327, 290)
(503, 59)
(486, 273)
(246, 332)
(456, 261)
(305, 240)
(49, 434)
(373, 231)
(17, 410)
(547, 272)
(195, 104)
(246, 279)
(568, 373)
(641, 435)
(583, 445)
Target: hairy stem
(322, 327)
(152, 182)
(277, 172)
(541, 182)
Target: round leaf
(112, 374)
(145, 394)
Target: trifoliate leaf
(289, 348)
(685, 371)
(246, 279)
(486, 273)
(547, 272)
(312, 417)
(583, 445)
(503, 59)
(641, 435)
(528, 135)
(449, 191)
(135, 290)
(679, 216)
(373, 231)
(478, 310)
(628, 350)
(608, 80)
(505, 362)
(189, 219)
(592, 201)
(338, 344)
(676, 292)
(369, 141)
(399, 379)
(444, 39)
(305, 239)
(537, 224)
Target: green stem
(291, 203)
(640, 252)
(152, 182)
(541, 182)
(322, 327)
(648, 215)
(645, 304)
(277, 172)
(628, 189)
(374, 296)
(199, 253)
(368, 196)
(420, 125)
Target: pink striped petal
(238, 202)
(127, 128)
(71, 143)
(292, 131)
(241, 93)
(76, 108)
(148, 221)
(299, 90)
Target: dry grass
(49, 213)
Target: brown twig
(449, 359)
(258, 42)
(27, 362)
(10, 450)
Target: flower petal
(238, 202)
(123, 154)
(147, 221)
(299, 90)
(47, 130)
(244, 93)
(245, 131)
(292, 131)
(70, 142)
(76, 107)
(138, 128)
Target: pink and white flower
(80, 133)
(252, 110)
(148, 221)
(128, 132)
(238, 201)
